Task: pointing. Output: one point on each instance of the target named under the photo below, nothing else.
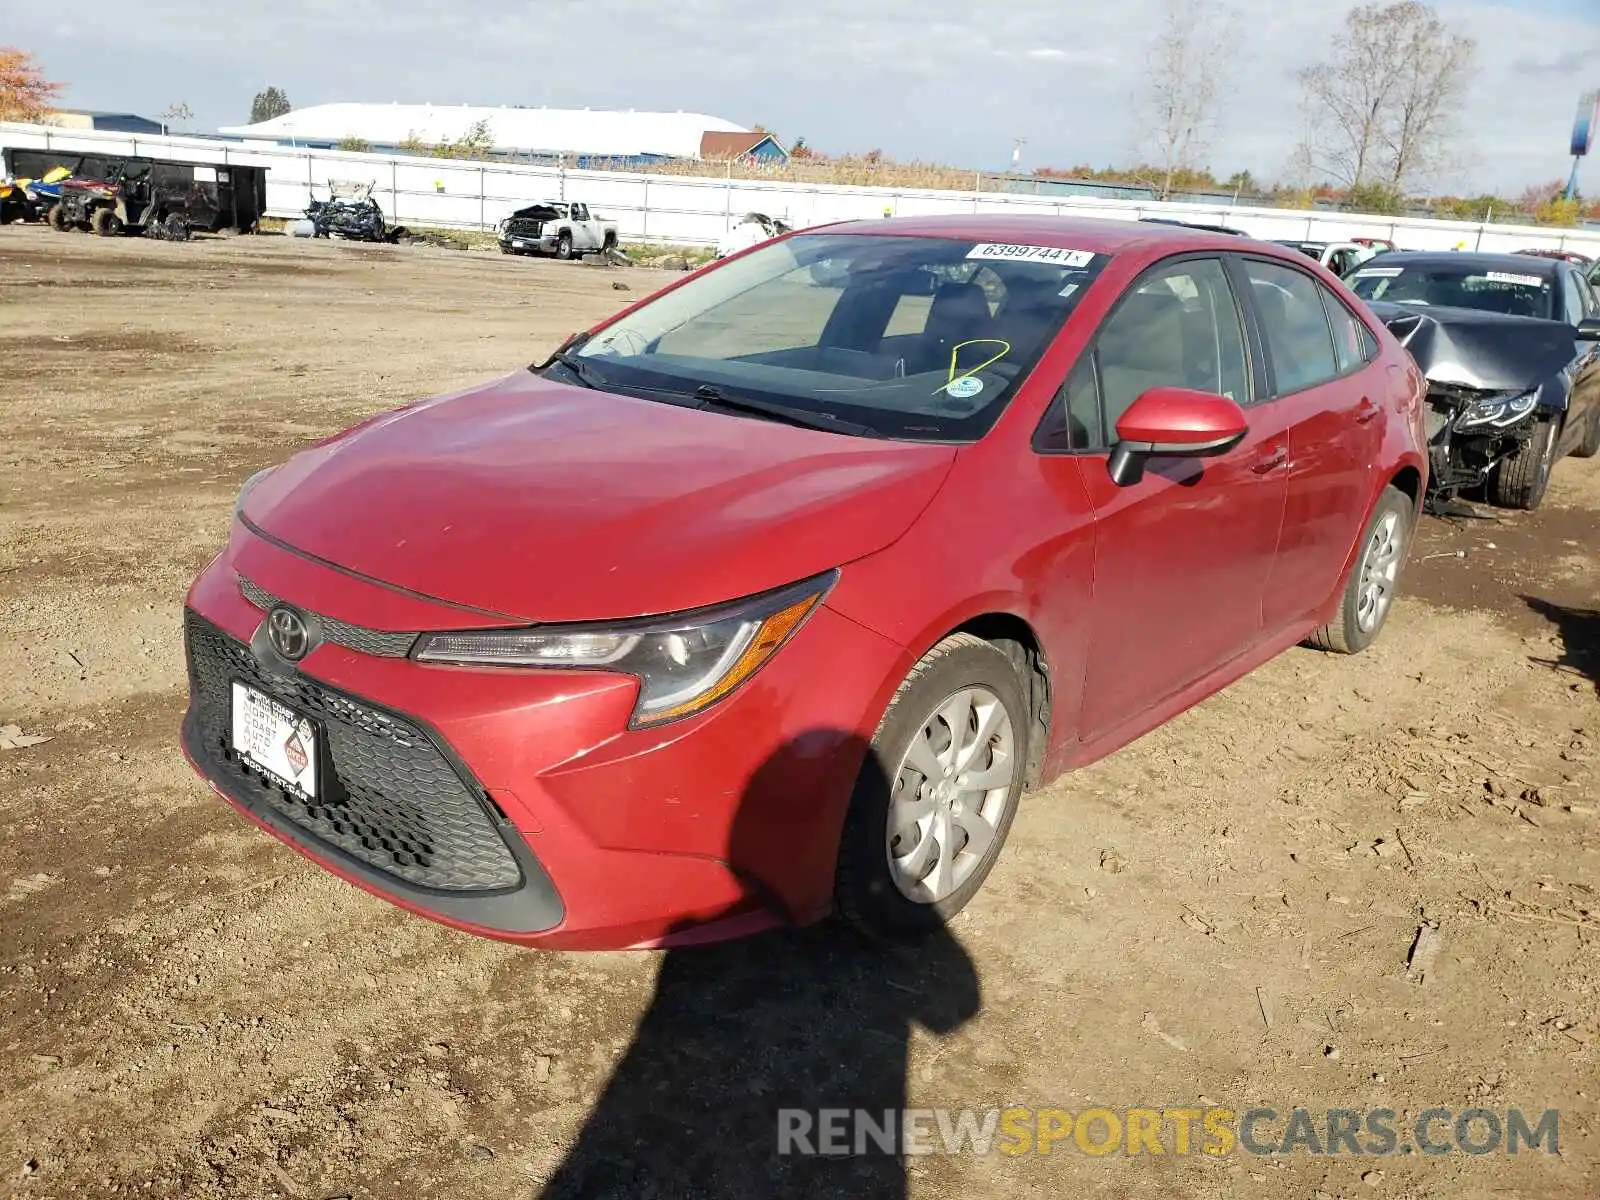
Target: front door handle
(1366, 411)
(1271, 460)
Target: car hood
(1474, 349)
(545, 502)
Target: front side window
(1526, 292)
(1178, 327)
(913, 337)
(1573, 297)
(1299, 342)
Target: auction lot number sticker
(992, 251)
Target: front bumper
(515, 803)
(539, 243)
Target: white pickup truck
(555, 227)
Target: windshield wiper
(711, 397)
(586, 375)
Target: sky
(932, 80)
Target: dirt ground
(1219, 914)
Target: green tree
(1375, 197)
(1558, 210)
(269, 102)
(350, 142)
(475, 143)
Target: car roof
(1101, 235)
(1472, 261)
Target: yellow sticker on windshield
(955, 354)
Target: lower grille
(387, 795)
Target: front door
(1183, 556)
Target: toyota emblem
(288, 633)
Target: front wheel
(1369, 590)
(57, 218)
(937, 792)
(564, 246)
(1522, 478)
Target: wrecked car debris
(350, 213)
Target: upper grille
(386, 793)
(340, 633)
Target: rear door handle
(1271, 460)
(1366, 411)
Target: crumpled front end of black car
(1497, 387)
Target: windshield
(1515, 293)
(910, 337)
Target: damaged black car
(1502, 339)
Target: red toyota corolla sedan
(769, 597)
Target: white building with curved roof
(574, 135)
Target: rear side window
(1295, 325)
(1353, 343)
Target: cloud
(926, 79)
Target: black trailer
(160, 197)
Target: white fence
(699, 210)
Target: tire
(105, 223)
(1590, 446)
(564, 246)
(57, 218)
(177, 227)
(610, 243)
(1521, 480)
(923, 893)
(1380, 555)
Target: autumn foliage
(25, 94)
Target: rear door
(1182, 557)
(1332, 401)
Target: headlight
(1499, 411)
(684, 663)
(244, 488)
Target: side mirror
(1173, 421)
(1589, 329)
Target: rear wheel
(177, 227)
(105, 223)
(1590, 446)
(1522, 478)
(937, 792)
(1369, 590)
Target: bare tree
(1178, 111)
(174, 113)
(1382, 107)
(1437, 65)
